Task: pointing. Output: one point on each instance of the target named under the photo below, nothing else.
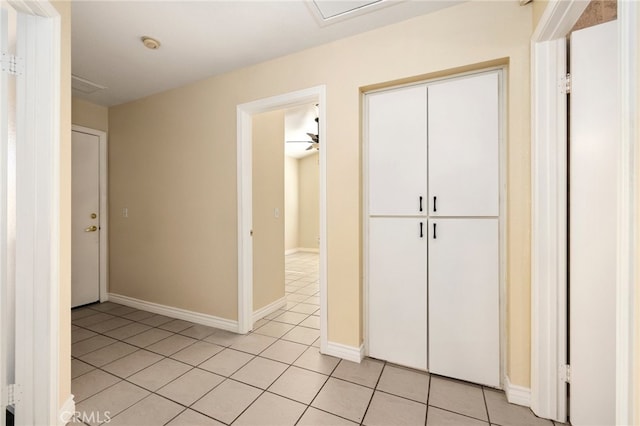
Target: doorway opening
(246, 113)
(301, 214)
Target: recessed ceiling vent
(85, 86)
(330, 11)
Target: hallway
(132, 367)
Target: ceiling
(204, 38)
(298, 122)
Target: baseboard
(309, 250)
(517, 394)
(350, 353)
(67, 411)
(269, 309)
(301, 249)
(170, 311)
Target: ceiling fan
(315, 138)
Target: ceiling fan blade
(313, 137)
(298, 142)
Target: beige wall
(268, 195)
(87, 114)
(173, 163)
(309, 199)
(636, 395)
(64, 326)
(290, 203)
(538, 9)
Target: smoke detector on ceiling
(150, 43)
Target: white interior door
(398, 291)
(463, 146)
(85, 234)
(397, 136)
(594, 149)
(464, 330)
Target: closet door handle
(435, 205)
(434, 231)
(421, 233)
(420, 202)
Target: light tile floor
(131, 367)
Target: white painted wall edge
(350, 353)
(269, 309)
(67, 411)
(301, 249)
(517, 394)
(178, 313)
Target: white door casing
(38, 215)
(245, 111)
(398, 290)
(85, 220)
(397, 153)
(464, 321)
(594, 150)
(549, 169)
(464, 158)
(6, 301)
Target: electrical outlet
(125, 212)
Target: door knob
(91, 229)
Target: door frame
(245, 112)
(38, 174)
(549, 209)
(104, 206)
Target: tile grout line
(375, 387)
(426, 413)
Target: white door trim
(6, 302)
(104, 207)
(245, 208)
(38, 214)
(549, 203)
(628, 214)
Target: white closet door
(397, 136)
(464, 338)
(463, 147)
(398, 291)
(594, 150)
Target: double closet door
(433, 227)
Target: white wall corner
(67, 411)
(170, 311)
(269, 309)
(349, 353)
(518, 395)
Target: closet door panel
(397, 136)
(398, 291)
(463, 299)
(463, 147)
